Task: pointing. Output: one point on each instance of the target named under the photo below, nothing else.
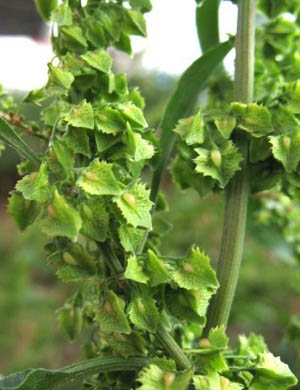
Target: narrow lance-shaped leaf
(189, 86)
(12, 138)
(207, 22)
(42, 379)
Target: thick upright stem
(237, 194)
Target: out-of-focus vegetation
(268, 292)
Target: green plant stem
(112, 261)
(172, 348)
(238, 190)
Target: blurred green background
(268, 292)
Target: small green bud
(107, 307)
(224, 383)
(204, 343)
(52, 154)
(141, 306)
(287, 141)
(87, 211)
(169, 378)
(51, 212)
(91, 176)
(69, 259)
(188, 268)
(130, 200)
(216, 157)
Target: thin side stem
(172, 348)
(237, 194)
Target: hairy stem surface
(237, 194)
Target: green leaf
(78, 141)
(63, 15)
(96, 218)
(60, 76)
(98, 179)
(272, 373)
(126, 344)
(135, 206)
(71, 273)
(137, 23)
(105, 141)
(134, 270)
(61, 154)
(130, 237)
(189, 86)
(251, 346)
(52, 114)
(23, 211)
(154, 378)
(226, 125)
(194, 272)
(46, 7)
(294, 99)
(75, 34)
(70, 319)
(42, 379)
(133, 113)
(260, 149)
(255, 119)
(121, 87)
(207, 22)
(137, 148)
(61, 219)
(286, 149)
(124, 43)
(191, 130)
(109, 121)
(214, 381)
(189, 306)
(217, 338)
(98, 59)
(81, 115)
(110, 315)
(12, 138)
(220, 164)
(144, 5)
(155, 269)
(284, 121)
(185, 177)
(35, 186)
(143, 313)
